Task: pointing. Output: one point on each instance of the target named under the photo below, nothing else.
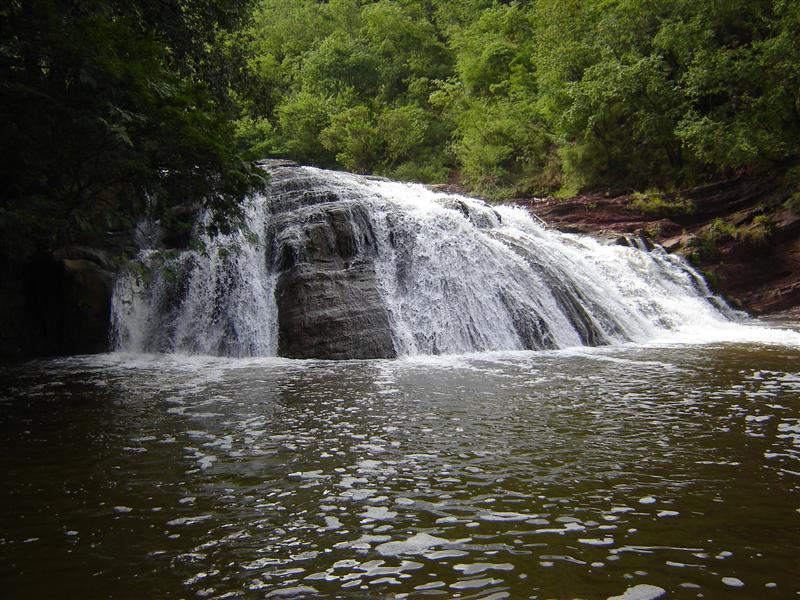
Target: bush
(420, 171)
(657, 204)
(759, 234)
(720, 231)
(354, 139)
(793, 203)
(706, 244)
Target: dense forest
(113, 109)
(526, 97)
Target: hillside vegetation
(530, 96)
(112, 109)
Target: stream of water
(330, 254)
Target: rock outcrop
(329, 305)
(59, 305)
(758, 271)
(335, 266)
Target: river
(576, 473)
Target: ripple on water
(495, 477)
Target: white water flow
(455, 274)
(217, 301)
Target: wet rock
(85, 307)
(332, 314)
(60, 306)
(762, 279)
(329, 304)
(15, 322)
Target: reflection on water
(545, 475)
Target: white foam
(416, 544)
(643, 591)
(607, 541)
(378, 513)
(472, 584)
(457, 276)
(476, 568)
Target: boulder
(84, 307)
(329, 303)
(332, 314)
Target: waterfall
(336, 265)
(216, 299)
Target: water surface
(576, 473)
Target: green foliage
(349, 84)
(793, 203)
(501, 140)
(353, 137)
(643, 91)
(759, 233)
(720, 231)
(112, 109)
(704, 249)
(523, 97)
(792, 181)
(756, 237)
(300, 120)
(658, 204)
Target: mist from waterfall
(451, 275)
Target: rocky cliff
(343, 269)
(327, 293)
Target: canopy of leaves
(348, 84)
(525, 96)
(109, 109)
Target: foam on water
(217, 300)
(741, 332)
(641, 592)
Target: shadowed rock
(332, 313)
(329, 304)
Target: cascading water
(342, 266)
(219, 300)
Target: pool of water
(570, 474)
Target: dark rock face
(60, 305)
(15, 322)
(83, 320)
(329, 305)
(332, 314)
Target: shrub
(759, 234)
(793, 203)
(720, 231)
(655, 203)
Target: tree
(359, 82)
(523, 96)
(112, 109)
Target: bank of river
(533, 474)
